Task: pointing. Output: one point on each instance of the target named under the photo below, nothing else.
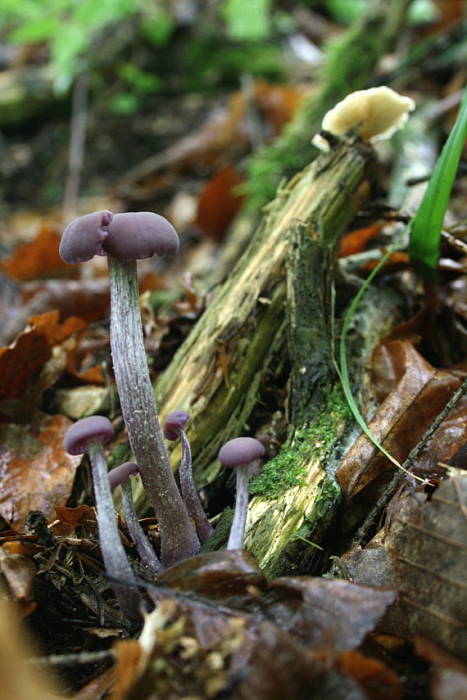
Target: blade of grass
(426, 226)
(343, 368)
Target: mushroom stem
(145, 550)
(178, 537)
(113, 553)
(190, 493)
(237, 531)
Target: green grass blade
(343, 369)
(426, 226)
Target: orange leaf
(376, 679)
(21, 361)
(355, 241)
(39, 258)
(37, 473)
(218, 203)
(71, 518)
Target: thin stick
(77, 141)
(399, 476)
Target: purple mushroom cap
(175, 422)
(77, 437)
(121, 473)
(141, 234)
(240, 451)
(84, 237)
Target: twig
(399, 476)
(85, 657)
(77, 140)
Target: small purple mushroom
(125, 238)
(120, 476)
(240, 453)
(89, 435)
(84, 237)
(142, 234)
(174, 429)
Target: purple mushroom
(240, 453)
(120, 476)
(125, 238)
(174, 429)
(89, 435)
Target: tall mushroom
(174, 427)
(241, 453)
(89, 435)
(126, 238)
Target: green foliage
(247, 20)
(73, 29)
(345, 11)
(425, 234)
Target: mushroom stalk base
(145, 550)
(178, 537)
(113, 554)
(237, 531)
(190, 493)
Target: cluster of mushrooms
(183, 524)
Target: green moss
(287, 470)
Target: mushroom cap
(375, 114)
(78, 435)
(141, 234)
(121, 473)
(175, 422)
(84, 237)
(240, 451)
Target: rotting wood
(217, 372)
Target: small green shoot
(343, 369)
(426, 225)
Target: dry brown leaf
(326, 613)
(21, 361)
(376, 679)
(19, 572)
(355, 241)
(35, 471)
(218, 202)
(419, 394)
(39, 258)
(427, 546)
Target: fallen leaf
(426, 543)
(375, 678)
(218, 202)
(39, 258)
(326, 613)
(355, 241)
(217, 574)
(21, 361)
(68, 519)
(420, 392)
(35, 471)
(19, 572)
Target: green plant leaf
(425, 234)
(247, 20)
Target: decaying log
(218, 371)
